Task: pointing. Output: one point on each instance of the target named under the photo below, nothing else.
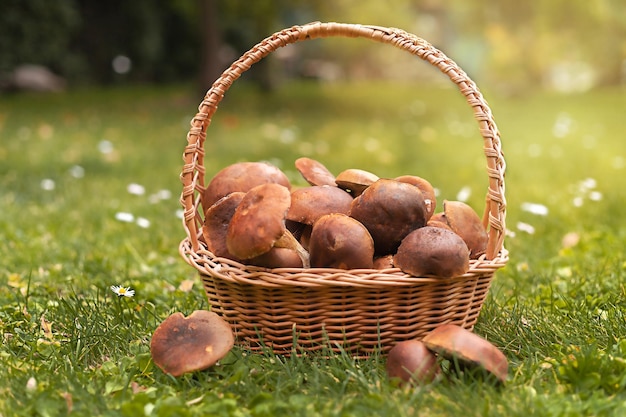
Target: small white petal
(577, 201)
(77, 171)
(595, 196)
(464, 194)
(48, 184)
(136, 189)
(525, 227)
(143, 222)
(535, 208)
(31, 384)
(105, 146)
(124, 217)
(588, 184)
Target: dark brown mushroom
(390, 210)
(456, 343)
(339, 241)
(355, 181)
(216, 221)
(411, 361)
(432, 251)
(242, 176)
(314, 172)
(428, 191)
(464, 221)
(310, 203)
(258, 223)
(186, 344)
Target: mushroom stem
(287, 240)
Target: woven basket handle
(193, 172)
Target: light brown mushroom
(411, 361)
(258, 224)
(456, 343)
(390, 210)
(314, 172)
(310, 203)
(428, 191)
(355, 181)
(339, 241)
(439, 220)
(383, 262)
(187, 344)
(216, 221)
(242, 176)
(464, 221)
(277, 258)
(432, 251)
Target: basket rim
(231, 271)
(193, 171)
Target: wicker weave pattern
(361, 310)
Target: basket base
(360, 321)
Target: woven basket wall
(290, 310)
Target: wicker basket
(359, 311)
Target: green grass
(70, 346)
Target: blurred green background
(562, 45)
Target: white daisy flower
(124, 217)
(136, 189)
(122, 291)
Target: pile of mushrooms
(352, 220)
(418, 362)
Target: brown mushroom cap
(186, 344)
(390, 210)
(411, 361)
(383, 262)
(314, 172)
(242, 176)
(277, 258)
(464, 221)
(216, 221)
(339, 241)
(430, 199)
(432, 251)
(355, 180)
(310, 203)
(439, 220)
(258, 221)
(455, 342)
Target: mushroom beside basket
(359, 311)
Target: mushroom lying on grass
(186, 344)
(468, 349)
(411, 361)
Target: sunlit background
(561, 45)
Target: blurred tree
(155, 35)
(211, 63)
(514, 44)
(37, 32)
